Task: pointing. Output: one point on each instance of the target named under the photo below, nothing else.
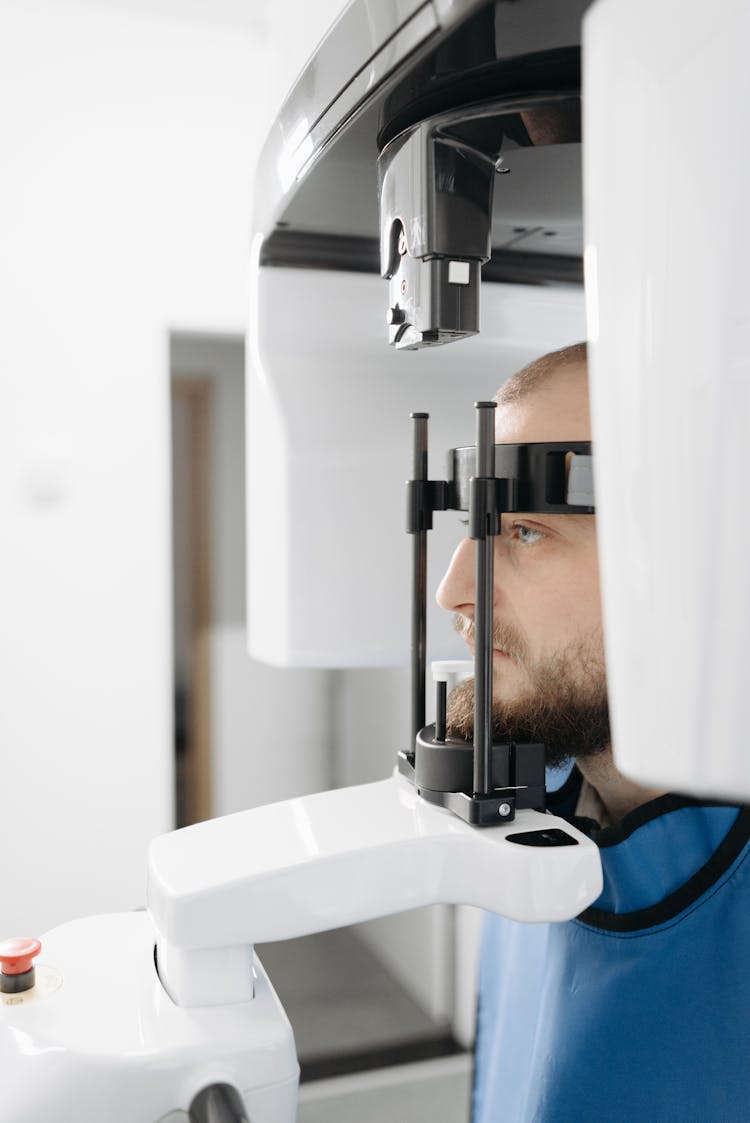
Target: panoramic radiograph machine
(465, 119)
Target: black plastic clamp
(488, 499)
(423, 498)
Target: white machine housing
(667, 174)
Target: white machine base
(99, 1039)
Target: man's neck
(618, 794)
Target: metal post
(440, 710)
(483, 609)
(419, 588)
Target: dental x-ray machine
(166, 1015)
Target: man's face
(549, 676)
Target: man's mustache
(504, 637)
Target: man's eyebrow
(555, 521)
(580, 519)
(584, 521)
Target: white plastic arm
(337, 858)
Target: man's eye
(527, 534)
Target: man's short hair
(538, 373)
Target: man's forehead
(558, 410)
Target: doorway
(191, 409)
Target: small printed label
(458, 272)
(47, 981)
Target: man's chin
(569, 722)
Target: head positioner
(486, 783)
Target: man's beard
(564, 705)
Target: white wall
(128, 143)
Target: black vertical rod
(419, 588)
(440, 710)
(483, 615)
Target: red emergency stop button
(17, 963)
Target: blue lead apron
(638, 1010)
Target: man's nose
(456, 590)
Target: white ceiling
(250, 16)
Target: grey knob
(218, 1103)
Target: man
(639, 1008)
